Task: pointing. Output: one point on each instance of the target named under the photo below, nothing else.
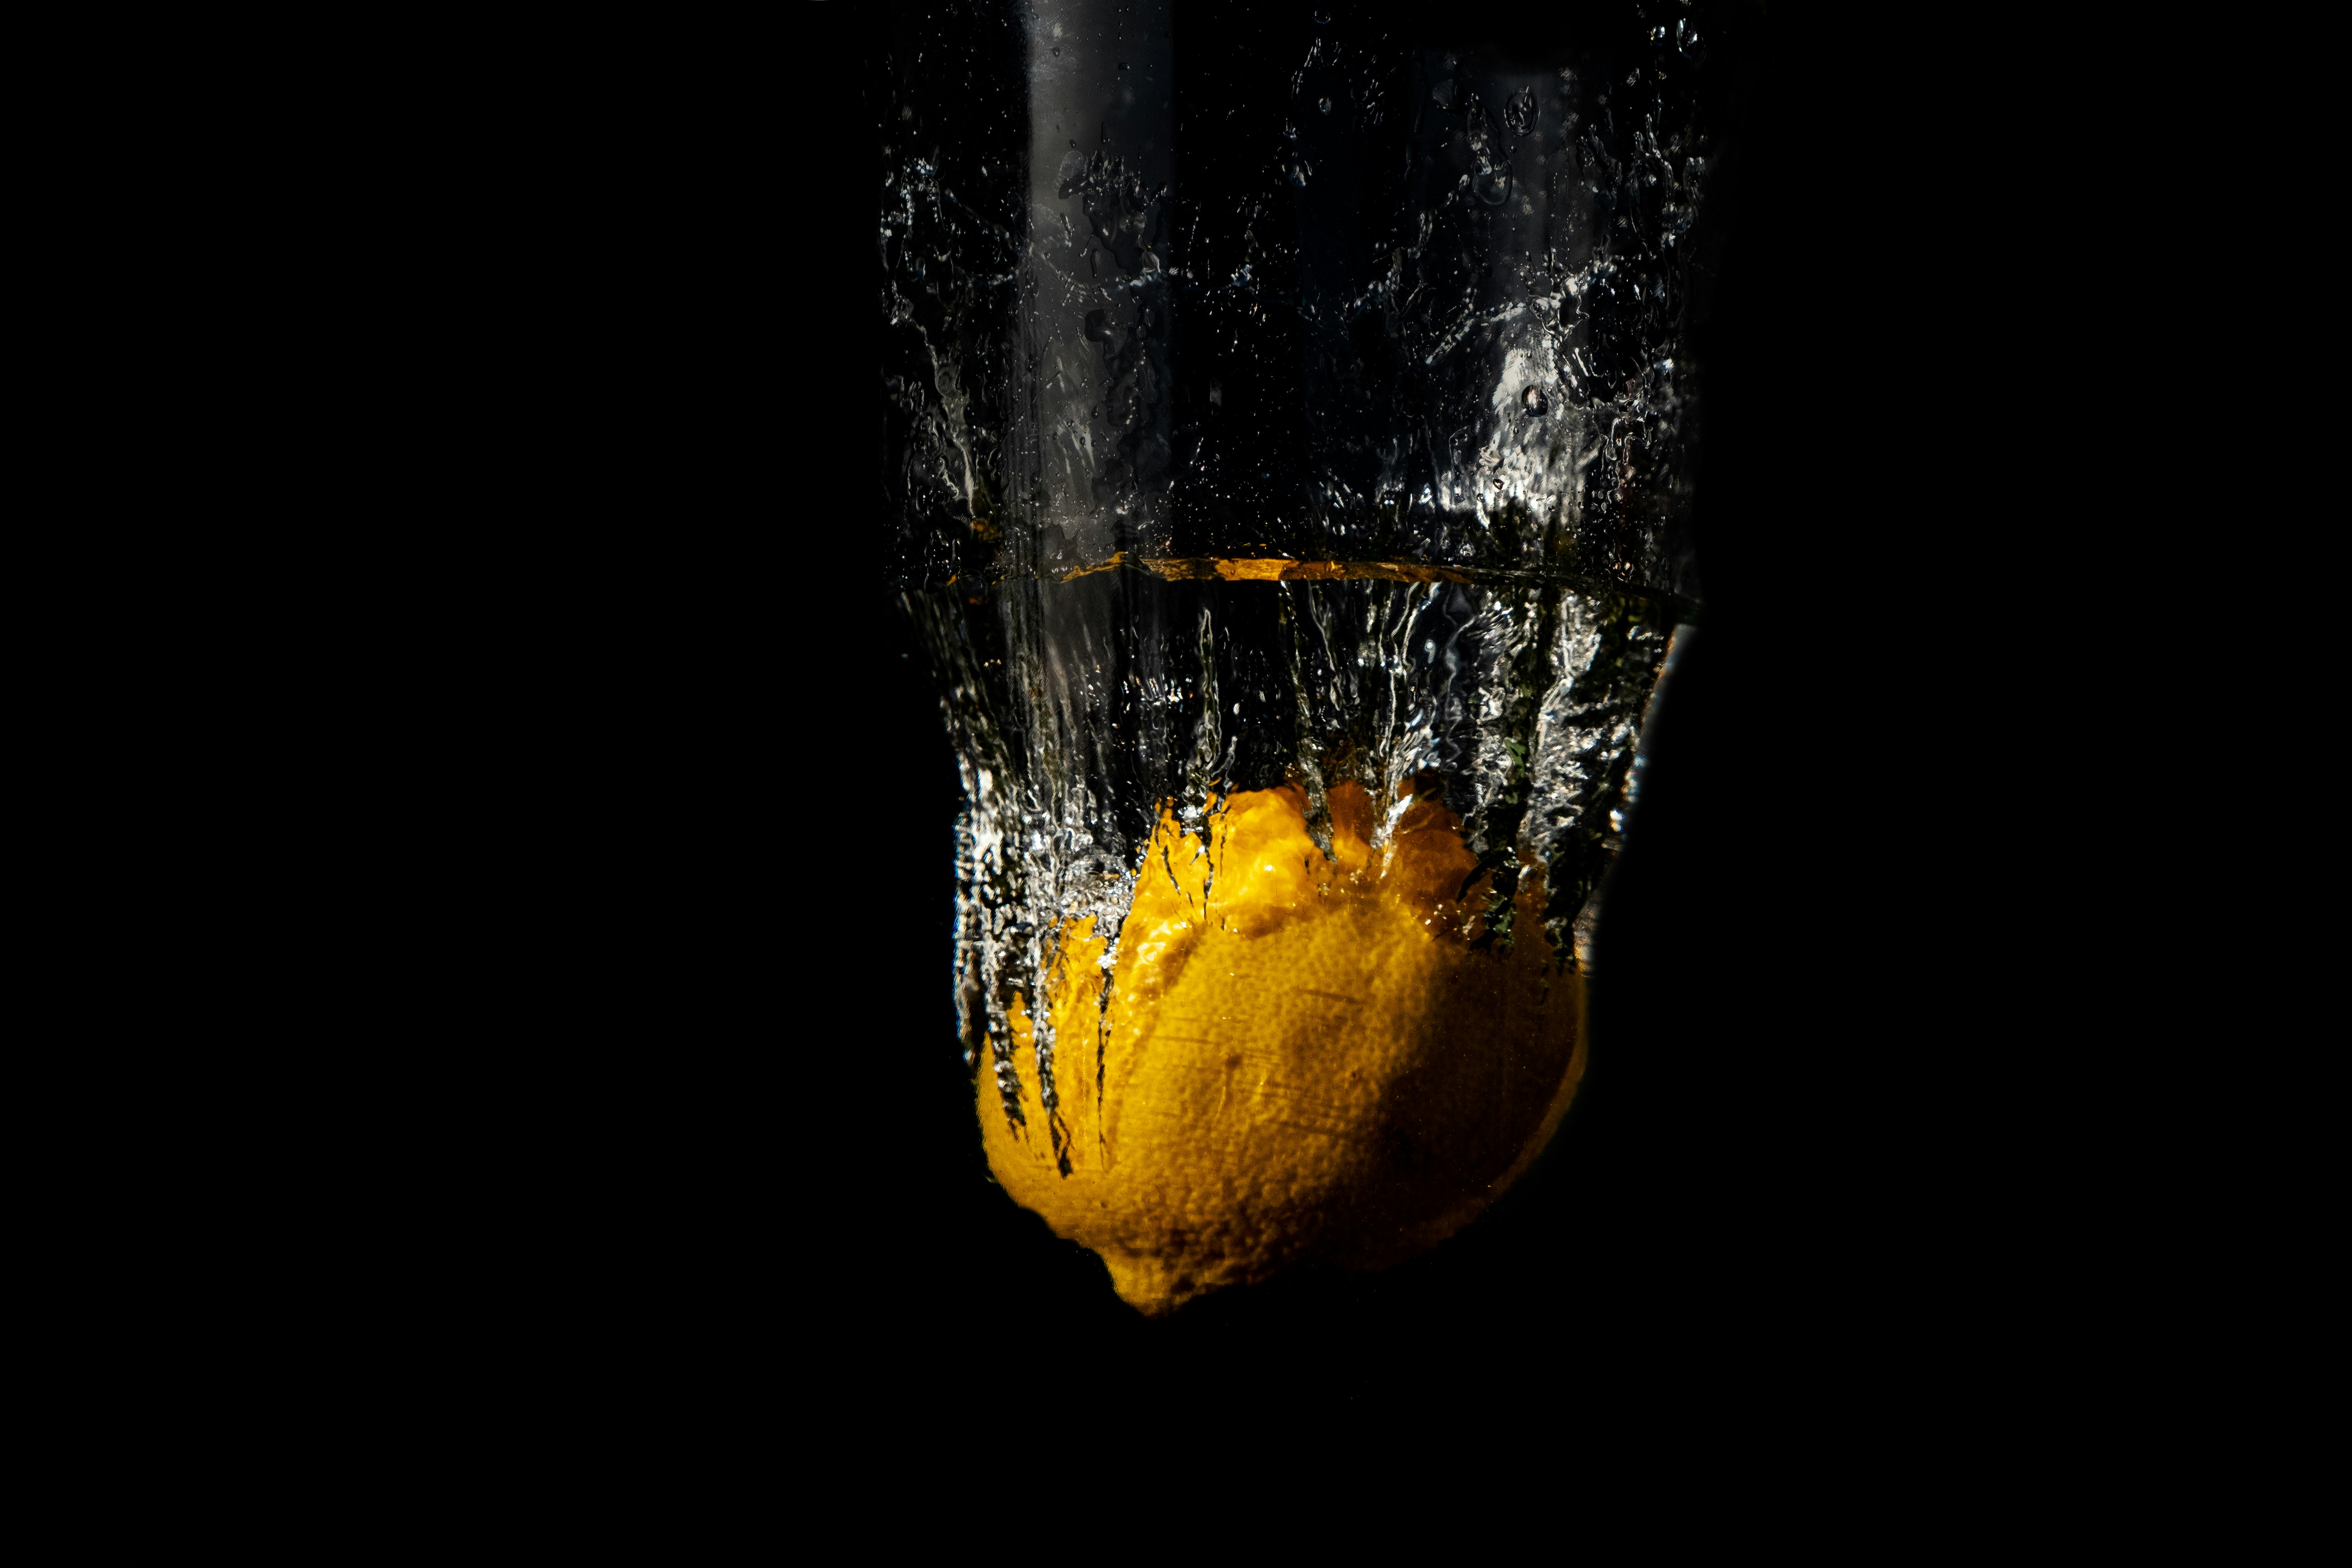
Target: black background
(718, 1124)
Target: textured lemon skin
(1301, 1058)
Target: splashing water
(1353, 445)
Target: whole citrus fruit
(1291, 1058)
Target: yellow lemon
(1298, 1058)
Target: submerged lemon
(1300, 1058)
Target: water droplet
(1324, 104)
(1519, 113)
(1534, 401)
(1322, 18)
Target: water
(1080, 707)
(1301, 405)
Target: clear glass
(1285, 409)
